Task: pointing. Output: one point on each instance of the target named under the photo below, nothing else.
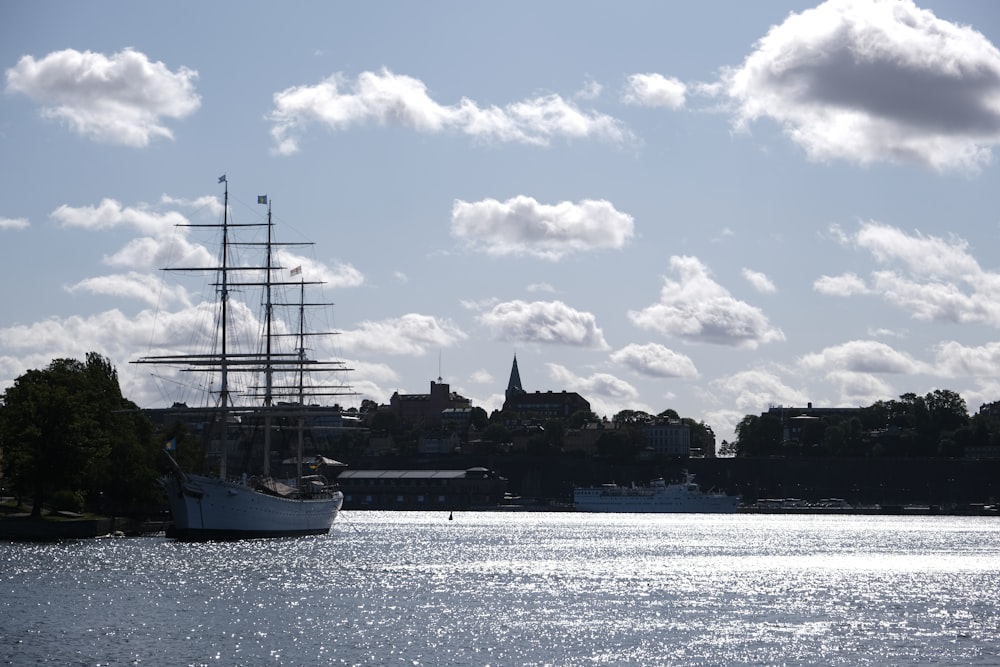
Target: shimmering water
(411, 589)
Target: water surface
(494, 588)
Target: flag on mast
(297, 271)
(222, 179)
(261, 199)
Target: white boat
(205, 508)
(253, 504)
(659, 496)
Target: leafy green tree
(581, 417)
(67, 428)
(614, 446)
(479, 418)
(834, 440)
(628, 417)
(702, 435)
(384, 422)
(555, 431)
(947, 410)
(727, 449)
(496, 433)
(758, 435)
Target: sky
(713, 207)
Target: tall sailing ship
(277, 383)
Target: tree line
(936, 424)
(70, 440)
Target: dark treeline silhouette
(934, 425)
(69, 440)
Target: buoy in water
(451, 516)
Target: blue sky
(714, 207)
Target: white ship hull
(660, 497)
(209, 508)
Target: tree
(384, 422)
(581, 417)
(702, 435)
(758, 435)
(479, 419)
(627, 417)
(615, 447)
(947, 409)
(67, 428)
(727, 449)
(496, 433)
(555, 430)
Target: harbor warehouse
(421, 489)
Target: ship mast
(282, 373)
(302, 397)
(268, 360)
(224, 358)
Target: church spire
(514, 385)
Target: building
(522, 407)
(421, 489)
(428, 408)
(668, 437)
(800, 424)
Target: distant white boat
(659, 496)
(207, 507)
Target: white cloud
(655, 360)
(141, 286)
(723, 423)
(110, 214)
(119, 99)
(863, 356)
(953, 359)
(117, 335)
(695, 308)
(754, 391)
(523, 226)
(543, 322)
(860, 389)
(14, 223)
(759, 281)
(391, 99)
(338, 276)
(591, 91)
(922, 255)
(602, 384)
(412, 333)
(655, 90)
(606, 393)
(148, 252)
(875, 81)
(724, 234)
(481, 376)
(930, 277)
(887, 333)
(847, 284)
(373, 381)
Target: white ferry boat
(659, 496)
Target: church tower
(514, 385)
